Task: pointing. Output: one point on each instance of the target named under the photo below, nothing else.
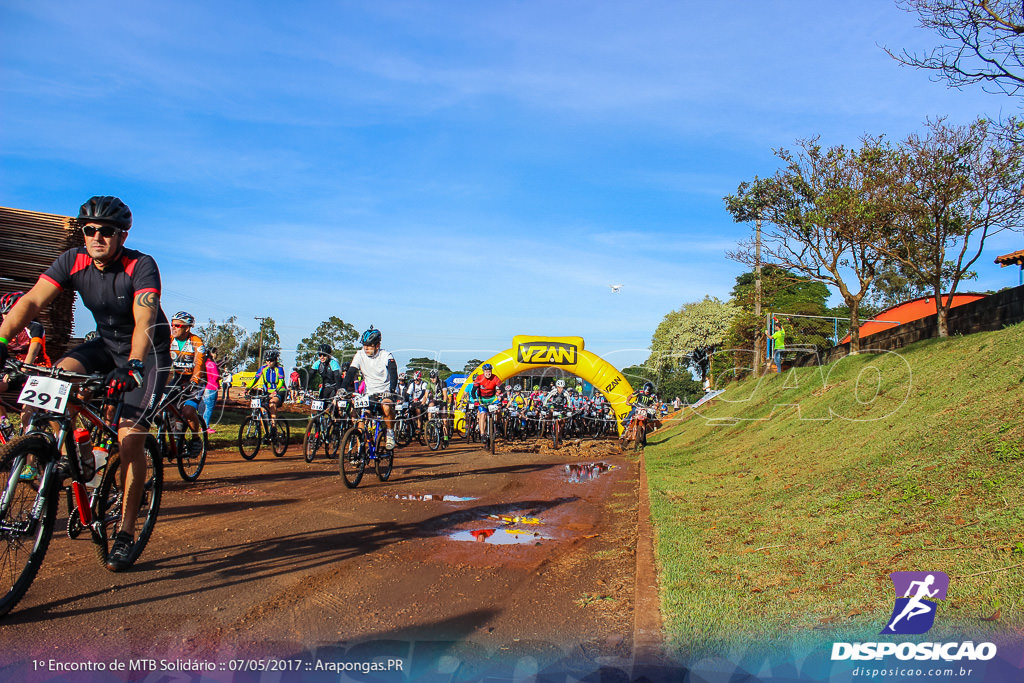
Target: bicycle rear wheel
(352, 458)
(403, 433)
(192, 451)
(250, 438)
(333, 440)
(24, 537)
(110, 498)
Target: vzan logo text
(551, 353)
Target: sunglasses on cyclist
(107, 231)
(179, 325)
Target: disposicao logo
(914, 612)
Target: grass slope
(781, 508)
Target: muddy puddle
(505, 529)
(500, 536)
(433, 497)
(584, 472)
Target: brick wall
(991, 313)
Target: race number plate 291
(46, 393)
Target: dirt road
(275, 559)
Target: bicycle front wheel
(281, 438)
(110, 502)
(250, 438)
(352, 458)
(192, 451)
(24, 535)
(311, 442)
(385, 458)
(433, 435)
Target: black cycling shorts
(139, 403)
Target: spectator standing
(226, 384)
(778, 338)
(212, 387)
(294, 381)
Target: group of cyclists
(149, 359)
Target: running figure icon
(915, 588)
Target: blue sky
(454, 173)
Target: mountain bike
(179, 443)
(490, 425)
(557, 426)
(404, 425)
(363, 444)
(28, 506)
(257, 429)
(435, 429)
(325, 427)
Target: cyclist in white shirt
(380, 373)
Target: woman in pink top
(212, 385)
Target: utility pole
(757, 298)
(259, 363)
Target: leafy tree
(426, 365)
(669, 382)
(955, 187)
(341, 336)
(687, 337)
(782, 291)
(982, 42)
(823, 212)
(229, 338)
(471, 365)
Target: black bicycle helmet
(325, 349)
(433, 374)
(8, 300)
(371, 337)
(106, 211)
(272, 356)
(648, 388)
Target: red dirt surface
(275, 558)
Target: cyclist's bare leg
(272, 405)
(388, 406)
(133, 473)
(191, 416)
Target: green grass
(781, 508)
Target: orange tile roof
(1013, 259)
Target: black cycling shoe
(118, 557)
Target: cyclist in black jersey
(121, 287)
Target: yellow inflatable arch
(567, 353)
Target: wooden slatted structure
(29, 243)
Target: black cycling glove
(125, 379)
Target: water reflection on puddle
(586, 472)
(428, 496)
(499, 536)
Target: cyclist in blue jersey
(271, 377)
(329, 369)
